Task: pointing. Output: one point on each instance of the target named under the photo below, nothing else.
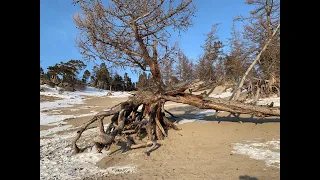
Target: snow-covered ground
(49, 111)
(269, 151)
(79, 95)
(225, 94)
(56, 161)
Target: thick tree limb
(85, 126)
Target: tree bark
(236, 92)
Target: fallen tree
(129, 122)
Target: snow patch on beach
(268, 151)
(57, 162)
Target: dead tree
(133, 33)
(236, 92)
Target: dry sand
(201, 150)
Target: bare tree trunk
(155, 68)
(257, 95)
(236, 92)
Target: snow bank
(56, 161)
(269, 151)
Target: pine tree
(118, 82)
(102, 77)
(85, 76)
(128, 85)
(41, 72)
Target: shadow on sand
(246, 177)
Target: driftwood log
(128, 122)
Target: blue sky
(58, 31)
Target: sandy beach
(208, 146)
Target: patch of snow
(265, 151)
(46, 119)
(67, 101)
(52, 119)
(54, 130)
(228, 93)
(56, 161)
(209, 111)
(119, 94)
(266, 101)
(121, 169)
(88, 91)
(183, 121)
(199, 117)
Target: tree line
(66, 75)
